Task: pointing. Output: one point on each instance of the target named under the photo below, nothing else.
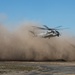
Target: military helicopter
(49, 32)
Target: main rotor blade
(57, 27)
(62, 29)
(46, 27)
(40, 28)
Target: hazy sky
(50, 12)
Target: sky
(49, 12)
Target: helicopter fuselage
(48, 34)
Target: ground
(37, 68)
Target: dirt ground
(37, 68)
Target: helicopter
(49, 32)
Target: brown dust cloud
(21, 45)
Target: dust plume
(20, 44)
